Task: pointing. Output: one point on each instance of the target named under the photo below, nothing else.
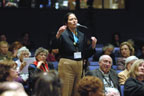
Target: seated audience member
(26, 41)
(3, 37)
(112, 92)
(12, 89)
(131, 41)
(22, 53)
(123, 75)
(14, 48)
(56, 53)
(134, 86)
(8, 71)
(126, 50)
(90, 86)
(47, 84)
(107, 50)
(116, 40)
(51, 56)
(108, 76)
(40, 65)
(4, 53)
(142, 52)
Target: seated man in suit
(108, 76)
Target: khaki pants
(70, 72)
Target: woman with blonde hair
(90, 86)
(134, 86)
(126, 50)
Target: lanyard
(108, 82)
(75, 38)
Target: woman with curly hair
(90, 86)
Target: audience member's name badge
(77, 55)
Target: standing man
(105, 73)
(69, 40)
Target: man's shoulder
(96, 70)
(93, 72)
(112, 71)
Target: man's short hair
(103, 56)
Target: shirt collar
(104, 73)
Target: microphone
(79, 25)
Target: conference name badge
(77, 55)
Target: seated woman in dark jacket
(134, 86)
(40, 65)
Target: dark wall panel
(44, 23)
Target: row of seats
(122, 90)
(93, 66)
(90, 59)
(116, 51)
(97, 66)
(94, 63)
(55, 64)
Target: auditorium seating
(55, 64)
(94, 63)
(99, 45)
(93, 67)
(116, 51)
(99, 50)
(114, 67)
(122, 90)
(90, 58)
(118, 71)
